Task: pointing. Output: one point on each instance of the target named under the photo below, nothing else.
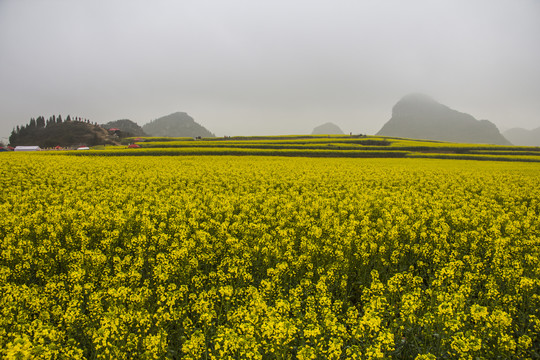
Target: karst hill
(418, 116)
(178, 124)
(327, 129)
(126, 127)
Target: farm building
(27, 148)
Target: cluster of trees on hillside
(40, 122)
(126, 128)
(54, 131)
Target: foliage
(268, 258)
(126, 127)
(55, 132)
(239, 151)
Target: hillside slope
(127, 127)
(64, 134)
(327, 129)
(418, 116)
(178, 124)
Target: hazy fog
(267, 67)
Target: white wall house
(27, 148)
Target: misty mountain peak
(181, 115)
(417, 98)
(412, 103)
(418, 116)
(178, 124)
(327, 129)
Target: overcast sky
(243, 67)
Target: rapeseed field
(268, 258)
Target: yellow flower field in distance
(223, 257)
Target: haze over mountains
(415, 116)
(55, 132)
(523, 137)
(418, 116)
(268, 67)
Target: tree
(40, 121)
(68, 118)
(14, 135)
(59, 119)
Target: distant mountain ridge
(523, 137)
(178, 124)
(327, 129)
(418, 116)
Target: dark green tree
(40, 121)
(14, 135)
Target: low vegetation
(323, 146)
(268, 258)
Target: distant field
(322, 146)
(215, 257)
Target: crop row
(268, 258)
(335, 146)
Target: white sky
(248, 67)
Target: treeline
(57, 131)
(40, 122)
